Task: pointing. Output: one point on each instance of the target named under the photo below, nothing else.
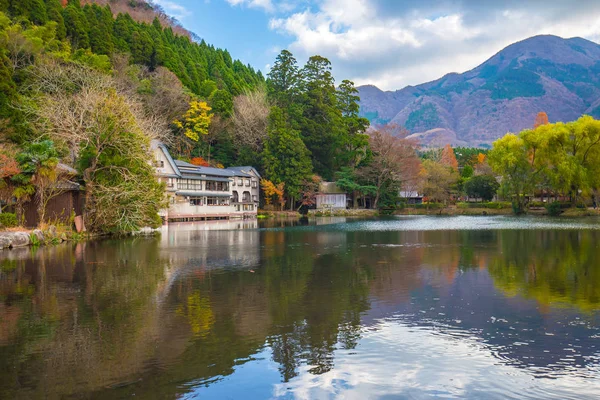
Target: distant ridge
(541, 73)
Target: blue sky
(388, 43)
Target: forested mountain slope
(542, 73)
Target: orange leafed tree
(199, 161)
(449, 158)
(540, 119)
(480, 158)
(271, 190)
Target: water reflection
(309, 310)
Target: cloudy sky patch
(389, 43)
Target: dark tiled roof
(244, 171)
(188, 168)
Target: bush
(494, 205)
(554, 209)
(8, 220)
(429, 206)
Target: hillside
(142, 11)
(542, 73)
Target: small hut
(330, 197)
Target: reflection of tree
(552, 267)
(198, 312)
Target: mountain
(504, 94)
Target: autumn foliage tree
(540, 119)
(449, 158)
(272, 192)
(394, 164)
(199, 161)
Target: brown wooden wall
(58, 209)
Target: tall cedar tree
(286, 157)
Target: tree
(109, 139)
(283, 80)
(272, 191)
(482, 186)
(33, 10)
(285, 156)
(349, 180)
(321, 122)
(76, 25)
(394, 163)
(355, 141)
(540, 119)
(196, 120)
(310, 188)
(449, 158)
(437, 181)
(509, 158)
(250, 119)
(38, 163)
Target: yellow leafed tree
(195, 121)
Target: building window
(195, 201)
(217, 201)
(248, 182)
(170, 183)
(236, 197)
(246, 197)
(254, 197)
(254, 184)
(189, 184)
(248, 207)
(217, 186)
(240, 181)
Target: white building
(330, 197)
(200, 193)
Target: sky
(387, 43)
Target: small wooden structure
(330, 197)
(60, 208)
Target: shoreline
(14, 238)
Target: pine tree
(285, 156)
(33, 10)
(54, 9)
(76, 24)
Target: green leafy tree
(283, 80)
(509, 158)
(285, 156)
(38, 164)
(76, 25)
(482, 186)
(33, 10)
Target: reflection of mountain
(164, 316)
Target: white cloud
(382, 42)
(173, 9)
(266, 5)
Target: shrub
(429, 206)
(8, 220)
(494, 205)
(554, 209)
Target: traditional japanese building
(200, 193)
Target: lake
(398, 307)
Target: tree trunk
(355, 200)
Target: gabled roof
(155, 144)
(182, 167)
(330, 188)
(244, 171)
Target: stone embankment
(11, 240)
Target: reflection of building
(209, 244)
(200, 193)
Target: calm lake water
(402, 307)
